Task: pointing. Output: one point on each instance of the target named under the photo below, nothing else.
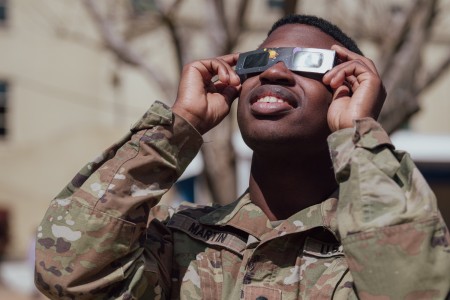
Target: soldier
(360, 223)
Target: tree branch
(397, 38)
(401, 76)
(433, 76)
(121, 49)
(234, 32)
(290, 7)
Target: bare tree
(401, 32)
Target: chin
(285, 145)
(287, 135)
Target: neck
(282, 186)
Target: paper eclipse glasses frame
(308, 60)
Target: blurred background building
(67, 91)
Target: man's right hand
(202, 102)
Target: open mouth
(270, 99)
(270, 106)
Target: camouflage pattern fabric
(105, 237)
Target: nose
(278, 74)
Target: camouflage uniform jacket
(104, 237)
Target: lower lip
(270, 108)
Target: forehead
(298, 35)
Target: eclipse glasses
(308, 60)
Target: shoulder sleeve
(396, 242)
(93, 241)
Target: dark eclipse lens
(256, 60)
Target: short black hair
(324, 25)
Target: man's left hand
(358, 91)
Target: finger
(346, 55)
(229, 62)
(353, 72)
(342, 92)
(351, 82)
(230, 59)
(209, 68)
(222, 67)
(229, 92)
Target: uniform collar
(241, 214)
(246, 216)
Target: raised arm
(98, 238)
(395, 240)
(91, 240)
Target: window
(3, 12)
(276, 3)
(141, 7)
(3, 108)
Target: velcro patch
(208, 234)
(318, 248)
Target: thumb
(230, 93)
(341, 92)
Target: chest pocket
(210, 272)
(198, 258)
(330, 281)
(197, 270)
(261, 293)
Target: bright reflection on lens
(308, 59)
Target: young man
(288, 237)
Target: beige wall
(434, 117)
(64, 109)
(61, 107)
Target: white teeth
(269, 99)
